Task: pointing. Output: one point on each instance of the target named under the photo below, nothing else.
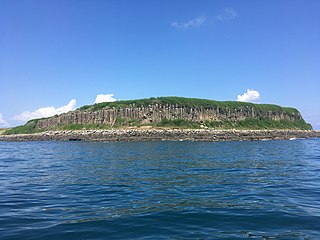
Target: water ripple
(160, 190)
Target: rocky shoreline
(162, 135)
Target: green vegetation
(252, 124)
(255, 124)
(29, 127)
(177, 123)
(82, 127)
(2, 130)
(121, 122)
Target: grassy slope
(30, 127)
(2, 130)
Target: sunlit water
(160, 190)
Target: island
(167, 118)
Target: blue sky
(54, 51)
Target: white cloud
(2, 121)
(249, 96)
(105, 98)
(45, 112)
(193, 23)
(227, 14)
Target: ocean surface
(160, 190)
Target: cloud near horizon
(227, 14)
(105, 98)
(249, 96)
(193, 23)
(2, 121)
(45, 112)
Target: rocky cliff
(155, 110)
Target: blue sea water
(160, 190)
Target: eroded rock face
(155, 113)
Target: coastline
(134, 135)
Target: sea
(160, 190)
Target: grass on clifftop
(29, 127)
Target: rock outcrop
(156, 113)
(163, 135)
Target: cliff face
(156, 113)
